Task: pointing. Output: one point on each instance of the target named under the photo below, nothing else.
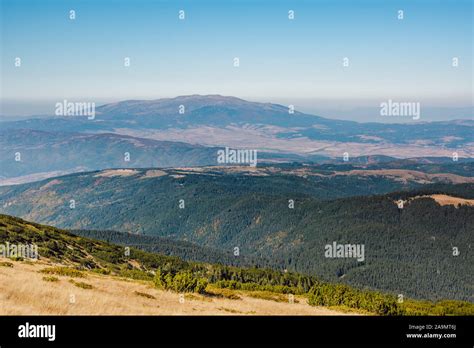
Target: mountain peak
(165, 105)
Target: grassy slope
(25, 291)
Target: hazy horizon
(281, 60)
(360, 111)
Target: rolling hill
(52, 151)
(408, 251)
(43, 154)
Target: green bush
(446, 307)
(180, 282)
(342, 295)
(235, 285)
(135, 274)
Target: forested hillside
(171, 247)
(287, 218)
(78, 255)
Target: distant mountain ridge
(188, 130)
(192, 115)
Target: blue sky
(280, 59)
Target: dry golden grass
(447, 200)
(24, 292)
(153, 173)
(450, 200)
(117, 172)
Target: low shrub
(6, 264)
(136, 274)
(64, 271)
(81, 285)
(180, 282)
(51, 279)
(142, 294)
(342, 295)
